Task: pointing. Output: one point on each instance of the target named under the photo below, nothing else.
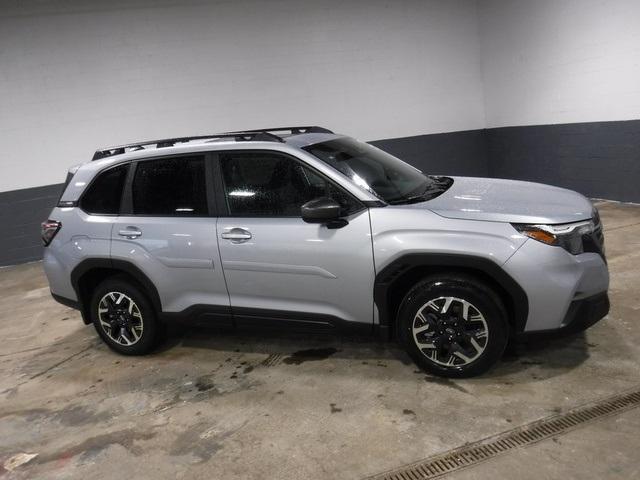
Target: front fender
(433, 241)
(397, 232)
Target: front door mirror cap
(321, 210)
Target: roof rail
(259, 135)
(292, 130)
(170, 142)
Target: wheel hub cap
(120, 318)
(450, 331)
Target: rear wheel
(124, 317)
(453, 326)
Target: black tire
(442, 327)
(147, 336)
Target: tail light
(49, 230)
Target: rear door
(278, 267)
(168, 230)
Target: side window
(104, 194)
(170, 187)
(269, 184)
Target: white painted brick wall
(560, 61)
(78, 75)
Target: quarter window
(104, 194)
(269, 184)
(170, 187)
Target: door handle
(237, 235)
(130, 232)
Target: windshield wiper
(431, 190)
(407, 200)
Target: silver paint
(496, 200)
(287, 264)
(296, 266)
(178, 254)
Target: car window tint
(104, 194)
(269, 184)
(171, 187)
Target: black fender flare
(129, 268)
(389, 274)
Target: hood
(511, 201)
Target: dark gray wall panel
(599, 159)
(21, 212)
(455, 153)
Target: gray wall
(452, 153)
(598, 159)
(21, 212)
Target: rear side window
(170, 187)
(66, 184)
(105, 192)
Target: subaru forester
(299, 227)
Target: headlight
(568, 236)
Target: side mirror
(321, 210)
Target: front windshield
(370, 168)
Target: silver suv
(301, 227)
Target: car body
(301, 227)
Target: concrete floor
(212, 405)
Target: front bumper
(584, 313)
(581, 315)
(561, 288)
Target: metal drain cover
(272, 360)
(531, 433)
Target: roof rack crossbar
(259, 135)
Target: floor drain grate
(474, 453)
(272, 360)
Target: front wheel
(453, 326)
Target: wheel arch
(89, 273)
(395, 279)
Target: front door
(279, 267)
